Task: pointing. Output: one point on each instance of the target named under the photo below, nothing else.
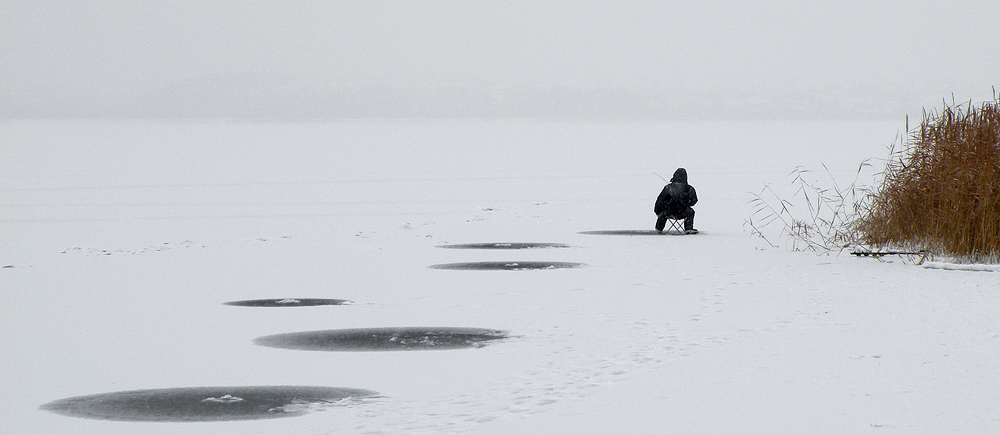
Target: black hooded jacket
(676, 196)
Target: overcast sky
(58, 50)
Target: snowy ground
(121, 241)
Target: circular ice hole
(383, 339)
(505, 245)
(287, 302)
(206, 403)
(507, 265)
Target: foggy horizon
(303, 60)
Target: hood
(680, 176)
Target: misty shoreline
(262, 102)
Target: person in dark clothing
(675, 202)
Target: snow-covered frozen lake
(122, 241)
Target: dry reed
(941, 192)
(814, 217)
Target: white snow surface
(961, 266)
(122, 240)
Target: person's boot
(690, 231)
(661, 221)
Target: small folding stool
(675, 224)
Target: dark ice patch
(206, 403)
(383, 339)
(624, 233)
(507, 265)
(287, 302)
(504, 245)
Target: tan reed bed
(941, 193)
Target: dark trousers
(687, 214)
